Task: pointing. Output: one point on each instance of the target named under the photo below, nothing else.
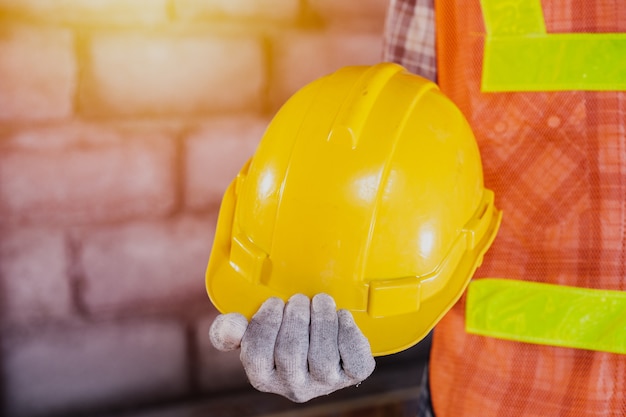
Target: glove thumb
(227, 331)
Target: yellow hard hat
(367, 185)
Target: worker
(541, 329)
(543, 86)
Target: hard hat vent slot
(248, 259)
(476, 228)
(394, 297)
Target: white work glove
(300, 350)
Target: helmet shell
(367, 185)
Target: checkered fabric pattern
(410, 36)
(557, 164)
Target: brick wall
(121, 123)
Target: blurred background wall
(121, 124)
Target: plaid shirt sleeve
(410, 36)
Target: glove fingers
(292, 344)
(257, 345)
(324, 360)
(354, 348)
(227, 331)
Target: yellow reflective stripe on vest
(520, 56)
(547, 314)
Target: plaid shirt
(410, 36)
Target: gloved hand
(300, 350)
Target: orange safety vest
(555, 155)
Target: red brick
(83, 173)
(34, 265)
(88, 367)
(37, 73)
(146, 264)
(137, 74)
(125, 12)
(215, 154)
(303, 56)
(218, 371)
(242, 9)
